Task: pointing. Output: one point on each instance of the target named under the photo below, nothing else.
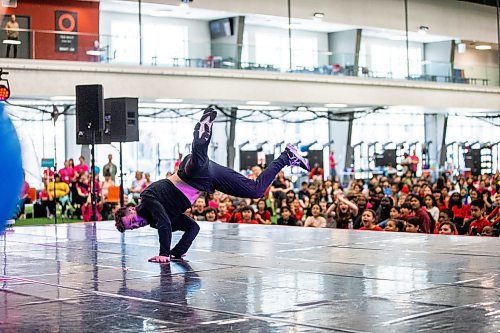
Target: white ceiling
(154, 9)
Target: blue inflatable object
(11, 168)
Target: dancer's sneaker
(295, 159)
(203, 129)
(178, 258)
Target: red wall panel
(42, 14)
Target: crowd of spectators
(463, 205)
(468, 205)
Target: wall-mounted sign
(48, 163)
(66, 27)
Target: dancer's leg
(190, 228)
(233, 183)
(201, 139)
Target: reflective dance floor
(245, 278)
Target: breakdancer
(164, 202)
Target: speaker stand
(122, 201)
(93, 194)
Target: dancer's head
(126, 218)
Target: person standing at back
(110, 168)
(12, 31)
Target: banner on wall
(66, 22)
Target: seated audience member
(279, 187)
(87, 211)
(58, 191)
(303, 192)
(488, 232)
(416, 205)
(460, 211)
(494, 216)
(369, 221)
(395, 225)
(316, 173)
(384, 211)
(286, 217)
(106, 184)
(475, 225)
(290, 197)
(262, 215)
(223, 215)
(210, 214)
(316, 220)
(431, 206)
(199, 207)
(447, 228)
(147, 180)
(247, 216)
(297, 210)
(445, 215)
(414, 225)
(405, 211)
(82, 190)
(362, 204)
(343, 212)
(23, 200)
(138, 185)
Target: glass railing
(126, 49)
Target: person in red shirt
(316, 173)
(82, 167)
(369, 221)
(478, 221)
(414, 160)
(416, 205)
(223, 215)
(455, 204)
(247, 216)
(67, 173)
(262, 215)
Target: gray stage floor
(246, 278)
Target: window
(388, 58)
(273, 50)
(125, 42)
(162, 43)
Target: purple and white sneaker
(203, 129)
(295, 159)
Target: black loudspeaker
(269, 159)
(121, 119)
(248, 159)
(89, 113)
(390, 157)
(379, 160)
(472, 160)
(349, 157)
(315, 156)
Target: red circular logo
(63, 21)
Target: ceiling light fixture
(483, 47)
(423, 29)
(258, 103)
(336, 105)
(63, 98)
(168, 100)
(319, 15)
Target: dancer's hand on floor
(160, 259)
